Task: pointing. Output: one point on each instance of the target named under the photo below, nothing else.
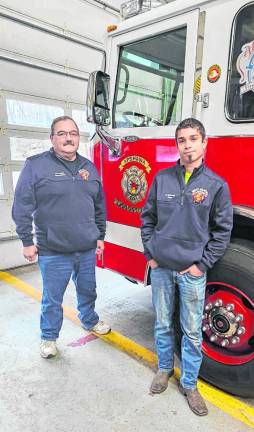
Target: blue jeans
(56, 272)
(191, 299)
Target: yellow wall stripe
(232, 406)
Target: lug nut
(204, 316)
(213, 338)
(218, 303)
(239, 317)
(205, 328)
(235, 340)
(225, 342)
(230, 307)
(241, 330)
(208, 306)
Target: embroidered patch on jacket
(199, 195)
(84, 174)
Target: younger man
(186, 226)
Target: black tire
(236, 268)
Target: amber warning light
(111, 27)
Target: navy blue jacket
(68, 212)
(185, 224)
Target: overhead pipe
(104, 4)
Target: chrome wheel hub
(221, 324)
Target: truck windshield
(149, 85)
(240, 91)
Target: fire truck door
(152, 76)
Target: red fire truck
(186, 58)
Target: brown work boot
(160, 381)
(195, 400)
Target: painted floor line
(83, 341)
(232, 406)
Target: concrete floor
(92, 387)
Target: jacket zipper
(182, 197)
(184, 186)
(73, 177)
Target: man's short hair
(61, 118)
(191, 123)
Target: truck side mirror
(98, 109)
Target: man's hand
(100, 248)
(193, 270)
(153, 264)
(30, 253)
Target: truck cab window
(149, 84)
(240, 91)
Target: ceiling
(116, 3)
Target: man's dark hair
(58, 119)
(191, 123)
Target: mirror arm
(113, 144)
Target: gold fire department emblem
(134, 184)
(199, 195)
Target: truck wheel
(228, 322)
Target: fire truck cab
(188, 58)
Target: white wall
(43, 75)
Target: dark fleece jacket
(68, 212)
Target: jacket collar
(79, 158)
(181, 168)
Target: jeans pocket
(195, 277)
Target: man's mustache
(69, 143)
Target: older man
(60, 191)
